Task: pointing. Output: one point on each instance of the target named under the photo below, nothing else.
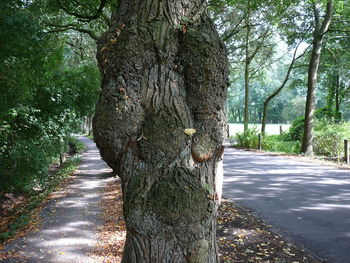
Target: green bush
(248, 139)
(29, 143)
(277, 143)
(329, 138)
(75, 146)
(24, 166)
(296, 131)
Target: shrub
(29, 143)
(75, 146)
(296, 131)
(329, 138)
(24, 166)
(248, 139)
(277, 143)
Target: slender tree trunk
(62, 159)
(164, 71)
(83, 126)
(331, 95)
(279, 89)
(89, 125)
(337, 97)
(319, 33)
(264, 118)
(311, 97)
(246, 73)
(246, 98)
(240, 115)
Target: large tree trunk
(319, 33)
(164, 70)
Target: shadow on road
(309, 202)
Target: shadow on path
(69, 223)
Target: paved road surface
(68, 229)
(309, 203)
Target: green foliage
(75, 146)
(29, 143)
(296, 131)
(46, 89)
(24, 166)
(291, 22)
(277, 143)
(329, 138)
(248, 139)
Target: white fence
(270, 129)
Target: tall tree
(320, 29)
(246, 28)
(280, 88)
(159, 124)
(334, 70)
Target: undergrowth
(278, 143)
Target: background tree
(279, 89)
(249, 36)
(334, 69)
(320, 29)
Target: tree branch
(262, 37)
(327, 20)
(316, 16)
(84, 18)
(233, 31)
(279, 89)
(64, 28)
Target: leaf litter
(242, 238)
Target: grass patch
(277, 143)
(247, 139)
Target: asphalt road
(68, 230)
(307, 202)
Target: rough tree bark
(164, 69)
(319, 32)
